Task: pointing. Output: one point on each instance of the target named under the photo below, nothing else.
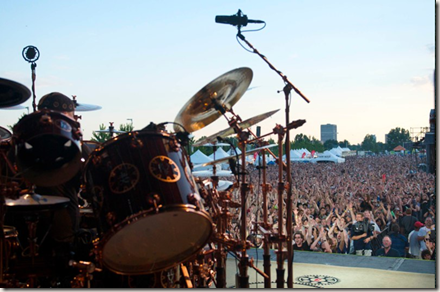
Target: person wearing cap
(415, 241)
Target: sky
(365, 66)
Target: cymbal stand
(266, 255)
(288, 87)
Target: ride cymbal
(218, 95)
(227, 132)
(12, 93)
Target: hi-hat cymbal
(244, 125)
(34, 202)
(225, 91)
(223, 159)
(12, 93)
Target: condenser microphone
(236, 19)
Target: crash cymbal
(4, 134)
(220, 160)
(12, 93)
(83, 107)
(225, 91)
(244, 125)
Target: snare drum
(149, 210)
(47, 147)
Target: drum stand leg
(185, 276)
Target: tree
(330, 144)
(369, 143)
(397, 137)
(101, 137)
(344, 144)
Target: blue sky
(366, 66)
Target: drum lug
(46, 120)
(111, 218)
(192, 199)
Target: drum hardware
(111, 130)
(30, 205)
(86, 270)
(230, 131)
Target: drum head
(157, 242)
(5, 134)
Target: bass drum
(150, 213)
(47, 147)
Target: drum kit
(155, 222)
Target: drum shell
(149, 213)
(114, 202)
(55, 156)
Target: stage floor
(316, 270)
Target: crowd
(379, 206)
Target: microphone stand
(288, 87)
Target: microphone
(236, 19)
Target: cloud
(431, 49)
(424, 81)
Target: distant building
(328, 132)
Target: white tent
(328, 156)
(198, 158)
(232, 152)
(220, 153)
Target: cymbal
(15, 107)
(208, 173)
(109, 131)
(4, 134)
(214, 144)
(244, 125)
(35, 202)
(83, 107)
(225, 90)
(12, 93)
(234, 156)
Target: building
(328, 132)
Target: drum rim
(134, 218)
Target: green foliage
(330, 144)
(397, 137)
(369, 143)
(101, 137)
(126, 128)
